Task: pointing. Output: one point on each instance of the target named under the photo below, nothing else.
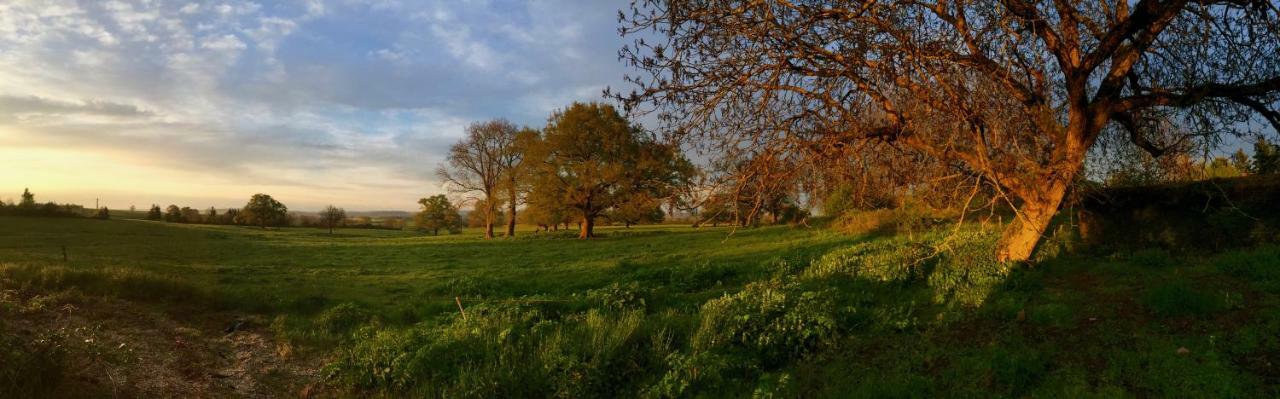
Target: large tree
(1011, 92)
(477, 164)
(591, 158)
(263, 211)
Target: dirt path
(116, 348)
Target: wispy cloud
(347, 101)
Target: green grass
(671, 311)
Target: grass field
(655, 311)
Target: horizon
(135, 103)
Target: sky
(316, 102)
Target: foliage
(591, 159)
(332, 216)
(438, 213)
(263, 211)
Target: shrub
(342, 319)
(882, 260)
(618, 297)
(772, 320)
(967, 271)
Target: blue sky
(350, 102)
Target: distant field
(655, 311)
(404, 275)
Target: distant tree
(230, 216)
(103, 213)
(332, 216)
(636, 209)
(1266, 157)
(478, 218)
(28, 200)
(211, 216)
(191, 215)
(132, 209)
(591, 158)
(477, 163)
(154, 213)
(1241, 162)
(437, 213)
(173, 214)
(1220, 167)
(263, 211)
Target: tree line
(27, 206)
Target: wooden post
(460, 310)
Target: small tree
(1266, 157)
(332, 216)
(103, 213)
(28, 200)
(437, 213)
(262, 211)
(155, 213)
(173, 214)
(211, 217)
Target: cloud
(330, 100)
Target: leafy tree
(1266, 157)
(154, 213)
(437, 213)
(590, 158)
(28, 202)
(477, 163)
(191, 215)
(1241, 162)
(211, 216)
(1012, 93)
(103, 213)
(636, 209)
(263, 211)
(173, 214)
(1220, 167)
(332, 216)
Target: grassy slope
(403, 276)
(1072, 327)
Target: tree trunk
(588, 226)
(1019, 239)
(511, 221)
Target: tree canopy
(590, 158)
(263, 211)
(1009, 94)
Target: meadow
(647, 311)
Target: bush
(772, 321)
(342, 319)
(881, 260)
(967, 271)
(503, 351)
(618, 297)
